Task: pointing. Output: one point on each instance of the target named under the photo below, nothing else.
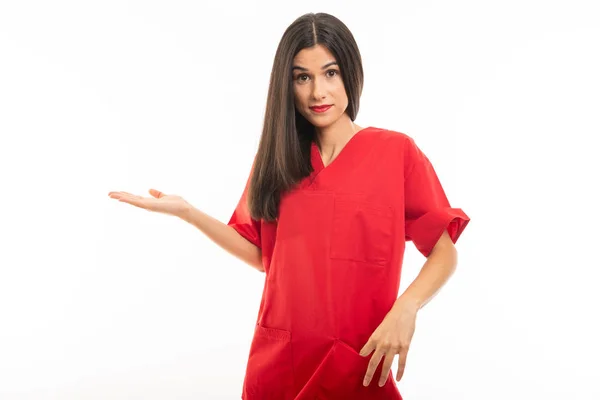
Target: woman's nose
(318, 90)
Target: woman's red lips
(322, 108)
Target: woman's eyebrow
(323, 67)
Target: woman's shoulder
(391, 136)
(396, 143)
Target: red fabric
(333, 262)
(427, 210)
(247, 226)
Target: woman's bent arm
(225, 236)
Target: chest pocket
(361, 231)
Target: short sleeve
(241, 221)
(427, 210)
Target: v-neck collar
(319, 164)
(343, 158)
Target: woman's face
(317, 81)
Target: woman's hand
(392, 336)
(159, 202)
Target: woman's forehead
(314, 57)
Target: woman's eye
(304, 77)
(299, 78)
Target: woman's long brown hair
(283, 156)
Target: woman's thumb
(156, 193)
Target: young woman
(326, 213)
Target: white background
(103, 300)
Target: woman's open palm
(159, 202)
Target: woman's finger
(129, 198)
(122, 194)
(375, 359)
(387, 366)
(156, 193)
(132, 195)
(401, 363)
(134, 201)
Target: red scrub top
(332, 265)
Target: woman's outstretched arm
(225, 236)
